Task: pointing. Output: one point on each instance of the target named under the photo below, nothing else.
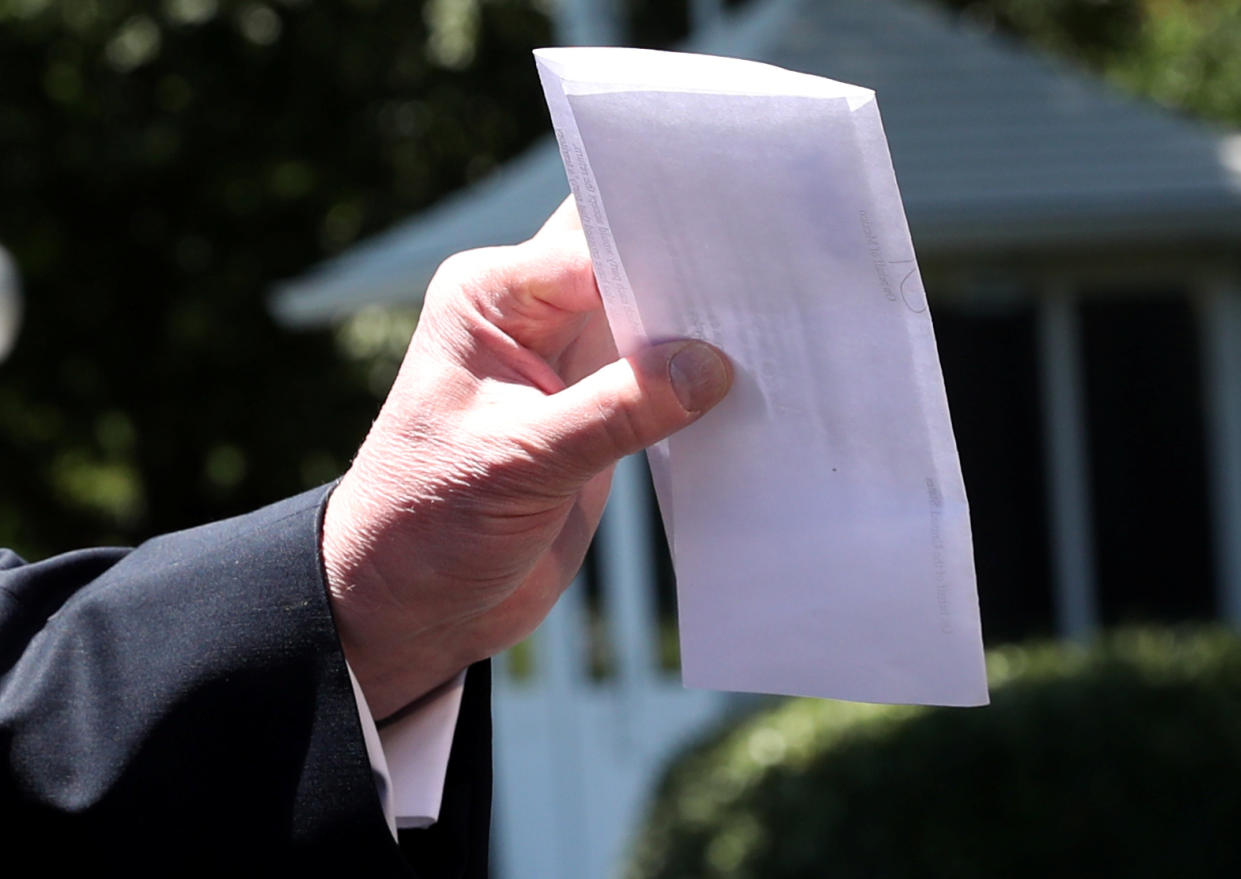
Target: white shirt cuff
(409, 758)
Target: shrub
(1120, 759)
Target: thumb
(633, 402)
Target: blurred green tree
(162, 163)
(1185, 54)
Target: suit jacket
(185, 707)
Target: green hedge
(1123, 759)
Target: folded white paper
(817, 518)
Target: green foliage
(162, 163)
(1185, 54)
(1124, 759)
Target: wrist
(396, 653)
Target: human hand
(471, 504)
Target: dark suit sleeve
(185, 706)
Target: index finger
(540, 293)
(564, 219)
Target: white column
(561, 673)
(627, 571)
(1068, 466)
(1219, 312)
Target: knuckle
(519, 466)
(452, 271)
(576, 266)
(468, 270)
(620, 431)
(577, 258)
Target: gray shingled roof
(994, 146)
